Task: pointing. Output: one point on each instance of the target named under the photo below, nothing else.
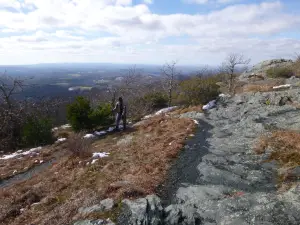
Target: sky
(192, 32)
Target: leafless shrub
(79, 146)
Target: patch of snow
(170, 143)
(89, 136)
(66, 126)
(94, 161)
(22, 210)
(192, 135)
(15, 171)
(224, 95)
(196, 122)
(54, 129)
(100, 154)
(61, 140)
(110, 129)
(99, 133)
(13, 155)
(19, 151)
(165, 110)
(31, 152)
(282, 86)
(36, 161)
(36, 203)
(88, 163)
(147, 117)
(210, 105)
(41, 161)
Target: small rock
(108, 204)
(295, 172)
(104, 206)
(142, 211)
(94, 222)
(94, 161)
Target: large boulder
(259, 70)
(143, 211)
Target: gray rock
(181, 215)
(192, 115)
(261, 68)
(294, 81)
(105, 205)
(144, 211)
(295, 172)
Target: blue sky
(193, 32)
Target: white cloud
(109, 29)
(9, 3)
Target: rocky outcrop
(219, 179)
(143, 211)
(258, 72)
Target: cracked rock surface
(218, 179)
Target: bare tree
(11, 111)
(229, 67)
(15, 110)
(170, 73)
(9, 86)
(205, 71)
(296, 65)
(297, 57)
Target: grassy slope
(136, 165)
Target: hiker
(120, 110)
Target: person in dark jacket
(120, 110)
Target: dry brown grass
(257, 88)
(260, 86)
(134, 168)
(79, 146)
(285, 147)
